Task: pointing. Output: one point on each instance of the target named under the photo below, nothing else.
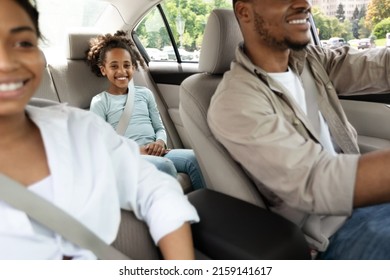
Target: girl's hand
(156, 148)
(142, 150)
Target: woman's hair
(99, 46)
(31, 9)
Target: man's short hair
(235, 1)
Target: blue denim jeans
(163, 164)
(364, 236)
(184, 161)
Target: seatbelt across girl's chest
(128, 110)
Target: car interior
(235, 222)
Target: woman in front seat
(75, 160)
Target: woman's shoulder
(62, 113)
(55, 110)
(73, 123)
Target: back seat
(71, 81)
(74, 81)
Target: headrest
(221, 37)
(44, 57)
(78, 42)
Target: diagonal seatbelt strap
(128, 110)
(54, 218)
(338, 129)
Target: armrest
(230, 228)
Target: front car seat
(249, 228)
(220, 171)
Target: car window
(173, 31)
(361, 26)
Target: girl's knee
(167, 166)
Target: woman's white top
(94, 173)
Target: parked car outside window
(324, 43)
(364, 43)
(336, 42)
(388, 40)
(184, 55)
(156, 54)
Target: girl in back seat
(73, 159)
(116, 58)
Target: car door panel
(171, 72)
(371, 123)
(168, 77)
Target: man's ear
(242, 11)
(102, 70)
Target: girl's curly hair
(99, 46)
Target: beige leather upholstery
(47, 89)
(133, 238)
(221, 172)
(221, 37)
(74, 81)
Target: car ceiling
(131, 12)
